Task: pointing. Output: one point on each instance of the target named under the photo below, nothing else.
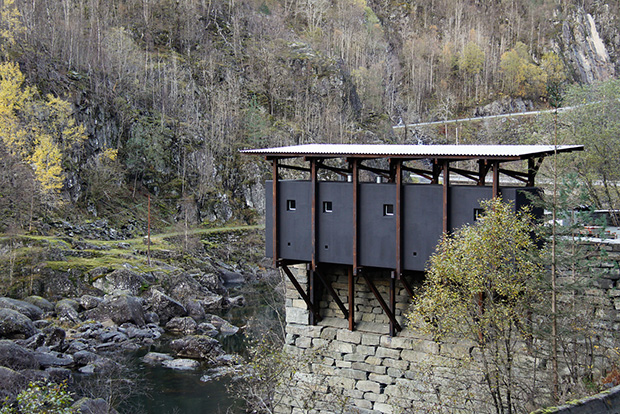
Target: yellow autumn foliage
(494, 260)
(47, 162)
(10, 25)
(41, 132)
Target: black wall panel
(422, 223)
(335, 222)
(464, 202)
(294, 208)
(422, 220)
(377, 227)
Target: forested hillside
(106, 101)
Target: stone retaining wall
(367, 371)
(607, 402)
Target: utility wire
(481, 118)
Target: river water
(167, 391)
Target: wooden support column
(483, 169)
(495, 179)
(313, 179)
(274, 205)
(436, 172)
(398, 211)
(355, 171)
(312, 294)
(393, 276)
(532, 170)
(446, 196)
(351, 299)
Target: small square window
(477, 213)
(388, 209)
(291, 205)
(327, 207)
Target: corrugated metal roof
(414, 151)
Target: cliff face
(586, 48)
(178, 87)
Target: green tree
(42, 398)
(522, 77)
(471, 61)
(595, 123)
(555, 73)
(480, 283)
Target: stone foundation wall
(366, 371)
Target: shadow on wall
(607, 402)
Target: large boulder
(25, 308)
(211, 281)
(195, 309)
(197, 347)
(14, 325)
(45, 305)
(120, 308)
(186, 286)
(182, 364)
(90, 302)
(53, 359)
(121, 280)
(212, 302)
(67, 311)
(15, 357)
(11, 382)
(183, 324)
(163, 305)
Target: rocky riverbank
(107, 312)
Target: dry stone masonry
(367, 371)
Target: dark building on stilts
(391, 221)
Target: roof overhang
(413, 152)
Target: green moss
(547, 410)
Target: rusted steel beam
(483, 169)
(300, 290)
(333, 294)
(378, 171)
(446, 196)
(398, 210)
(392, 301)
(437, 168)
(517, 175)
(274, 205)
(406, 285)
(294, 167)
(341, 171)
(384, 306)
(314, 185)
(495, 179)
(464, 173)
(312, 293)
(351, 299)
(355, 213)
(532, 170)
(422, 173)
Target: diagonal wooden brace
(406, 284)
(333, 294)
(384, 305)
(303, 294)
